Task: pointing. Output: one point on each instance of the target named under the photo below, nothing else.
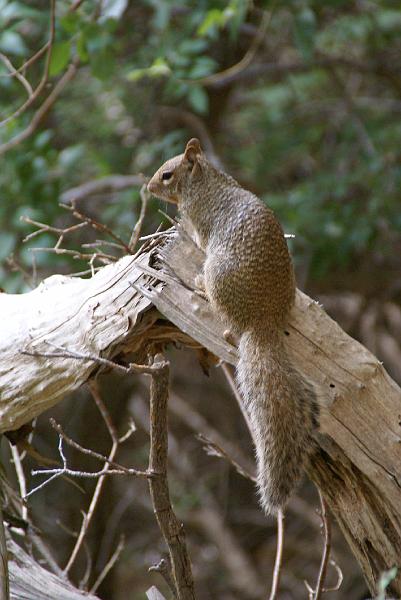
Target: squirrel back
(249, 280)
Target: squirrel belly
(283, 413)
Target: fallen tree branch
(357, 464)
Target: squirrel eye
(167, 175)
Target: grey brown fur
(249, 279)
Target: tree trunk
(358, 465)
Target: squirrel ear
(193, 150)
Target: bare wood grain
(28, 580)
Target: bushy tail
(283, 414)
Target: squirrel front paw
(200, 288)
(229, 336)
(200, 282)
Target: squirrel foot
(200, 286)
(229, 337)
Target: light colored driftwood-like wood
(30, 581)
(100, 316)
(154, 594)
(358, 464)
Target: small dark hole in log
(287, 332)
(332, 385)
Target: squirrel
(249, 280)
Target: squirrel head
(169, 181)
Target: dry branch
(170, 526)
(103, 185)
(358, 463)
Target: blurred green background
(312, 124)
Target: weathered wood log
(30, 581)
(101, 316)
(358, 466)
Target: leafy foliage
(316, 133)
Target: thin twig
(83, 584)
(63, 472)
(164, 568)
(340, 578)
(279, 556)
(105, 258)
(44, 228)
(16, 267)
(4, 576)
(145, 195)
(246, 59)
(66, 353)
(96, 225)
(42, 110)
(15, 73)
(21, 478)
(228, 372)
(197, 422)
(93, 386)
(87, 451)
(33, 58)
(316, 594)
(38, 90)
(214, 449)
(109, 565)
(111, 183)
(97, 243)
(327, 546)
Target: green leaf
(214, 19)
(103, 64)
(17, 10)
(305, 32)
(12, 43)
(202, 66)
(71, 22)
(7, 242)
(159, 68)
(60, 56)
(81, 48)
(198, 99)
